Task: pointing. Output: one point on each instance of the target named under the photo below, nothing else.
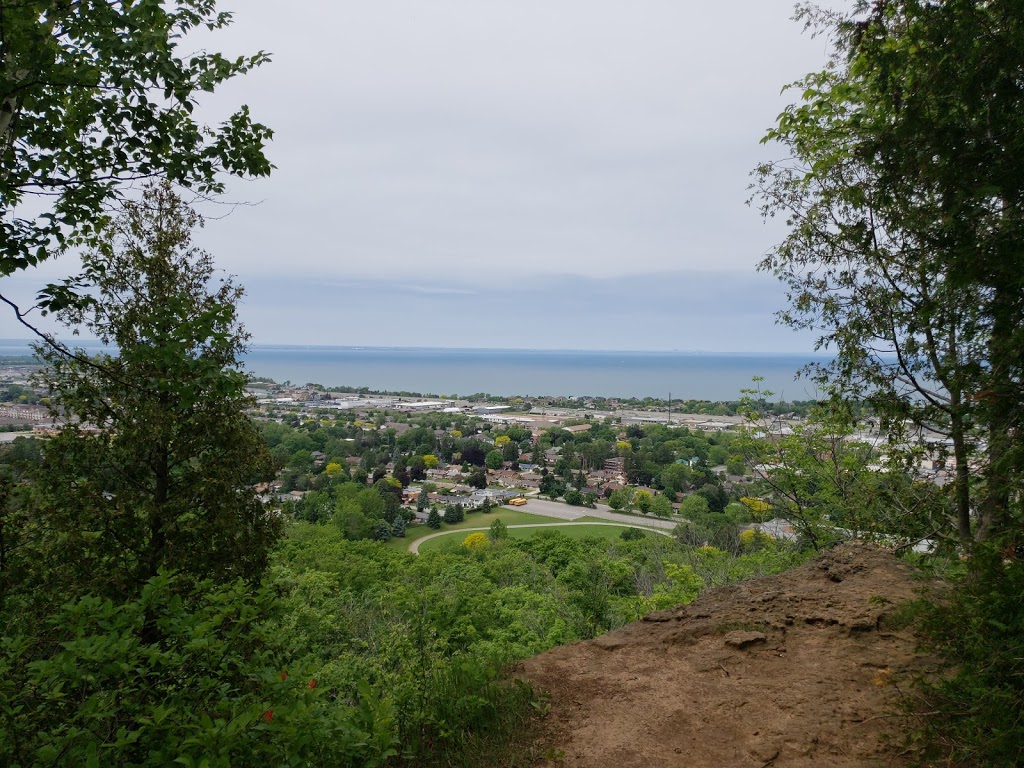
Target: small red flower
(284, 676)
(268, 715)
(312, 683)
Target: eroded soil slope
(800, 669)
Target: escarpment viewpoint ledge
(799, 669)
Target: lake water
(685, 375)
(533, 372)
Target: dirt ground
(799, 669)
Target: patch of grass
(473, 520)
(574, 530)
(508, 740)
(639, 520)
(577, 530)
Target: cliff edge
(805, 668)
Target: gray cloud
(456, 172)
(683, 310)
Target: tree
(675, 478)
(551, 487)
(477, 479)
(422, 500)
(694, 506)
(382, 531)
(573, 497)
(417, 468)
(622, 498)
(476, 541)
(473, 453)
(451, 514)
(494, 460)
(661, 506)
(903, 193)
(820, 478)
(154, 465)
(580, 482)
(95, 94)
(510, 452)
(643, 499)
(717, 498)
(433, 519)
(498, 530)
(398, 527)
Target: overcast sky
(508, 173)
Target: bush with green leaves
(168, 678)
(976, 711)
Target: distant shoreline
(715, 377)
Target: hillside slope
(799, 669)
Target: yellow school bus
(517, 502)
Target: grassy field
(473, 520)
(572, 530)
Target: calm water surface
(522, 371)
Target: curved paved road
(414, 547)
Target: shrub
(752, 540)
(166, 679)
(977, 718)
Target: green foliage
(819, 479)
(494, 460)
(681, 587)
(900, 251)
(97, 94)
(551, 486)
(694, 505)
(152, 471)
(574, 498)
(622, 499)
(433, 519)
(498, 531)
(382, 531)
(454, 513)
(975, 712)
(165, 679)
(661, 506)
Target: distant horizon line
(408, 347)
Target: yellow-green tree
(477, 540)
